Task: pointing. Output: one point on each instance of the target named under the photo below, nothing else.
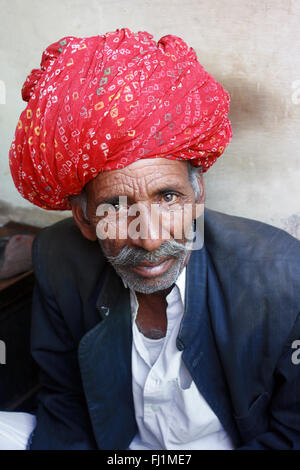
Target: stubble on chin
(146, 285)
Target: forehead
(142, 175)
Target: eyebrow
(115, 198)
(111, 200)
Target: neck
(151, 317)
(157, 296)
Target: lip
(147, 269)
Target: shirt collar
(180, 283)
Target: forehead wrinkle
(162, 179)
(118, 186)
(154, 165)
(144, 186)
(155, 173)
(135, 183)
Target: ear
(201, 196)
(87, 228)
(198, 207)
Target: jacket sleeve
(62, 417)
(284, 425)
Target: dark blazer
(241, 318)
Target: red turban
(103, 102)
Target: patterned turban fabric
(100, 103)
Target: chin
(149, 285)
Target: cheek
(112, 247)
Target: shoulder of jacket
(60, 251)
(258, 268)
(228, 235)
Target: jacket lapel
(204, 305)
(105, 363)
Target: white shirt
(15, 429)
(170, 411)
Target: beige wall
(252, 47)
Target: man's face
(148, 255)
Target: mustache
(130, 256)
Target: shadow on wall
(253, 105)
(292, 225)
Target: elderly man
(146, 339)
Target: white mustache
(132, 256)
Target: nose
(144, 229)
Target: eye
(119, 207)
(116, 206)
(170, 197)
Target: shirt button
(104, 310)
(180, 345)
